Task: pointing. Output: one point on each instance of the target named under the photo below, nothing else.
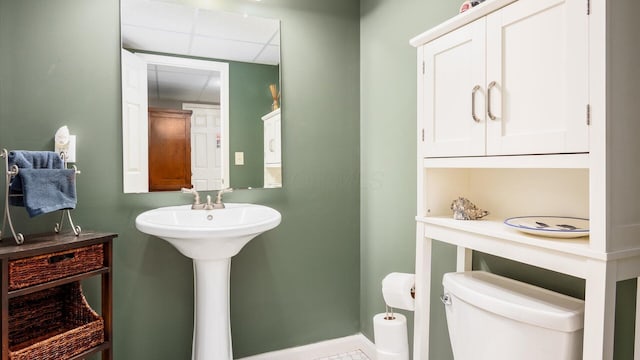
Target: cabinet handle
(62, 257)
(473, 103)
(491, 86)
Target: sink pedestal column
(211, 322)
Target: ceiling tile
(232, 26)
(225, 49)
(158, 15)
(161, 26)
(154, 40)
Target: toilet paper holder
(389, 313)
(389, 310)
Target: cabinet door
(537, 59)
(454, 66)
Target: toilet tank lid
(516, 300)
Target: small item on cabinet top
(469, 4)
(463, 209)
(550, 226)
(465, 6)
(275, 95)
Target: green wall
(388, 173)
(250, 100)
(297, 284)
(388, 154)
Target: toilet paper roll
(390, 336)
(396, 290)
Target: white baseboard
(321, 349)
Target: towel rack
(11, 172)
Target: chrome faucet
(208, 205)
(196, 198)
(219, 204)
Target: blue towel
(48, 190)
(43, 184)
(24, 159)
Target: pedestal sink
(210, 238)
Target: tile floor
(351, 355)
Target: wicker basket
(42, 268)
(53, 324)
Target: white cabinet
(518, 77)
(272, 154)
(455, 74)
(272, 149)
(560, 78)
(537, 57)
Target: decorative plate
(550, 226)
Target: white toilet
(494, 318)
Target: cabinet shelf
(492, 236)
(58, 282)
(493, 226)
(551, 161)
(102, 347)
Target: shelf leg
(107, 300)
(464, 262)
(599, 313)
(4, 327)
(423, 295)
(636, 346)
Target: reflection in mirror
(200, 98)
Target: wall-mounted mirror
(200, 98)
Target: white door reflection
(206, 154)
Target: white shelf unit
(272, 149)
(598, 182)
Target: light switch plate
(239, 158)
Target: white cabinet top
(272, 114)
(459, 20)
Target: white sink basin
(208, 234)
(210, 238)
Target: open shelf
(507, 192)
(494, 227)
(490, 233)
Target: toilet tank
(491, 317)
